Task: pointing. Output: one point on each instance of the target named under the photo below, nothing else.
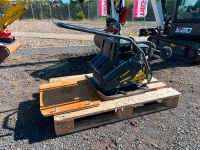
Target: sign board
(102, 7)
(140, 8)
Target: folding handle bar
(102, 33)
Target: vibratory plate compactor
(121, 69)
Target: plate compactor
(122, 64)
(121, 69)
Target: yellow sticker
(125, 74)
(173, 45)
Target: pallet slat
(134, 101)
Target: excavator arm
(5, 2)
(15, 9)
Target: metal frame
(158, 12)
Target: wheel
(192, 53)
(166, 53)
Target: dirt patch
(38, 43)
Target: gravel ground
(46, 26)
(23, 127)
(38, 43)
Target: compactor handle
(106, 34)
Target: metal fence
(61, 11)
(72, 11)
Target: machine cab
(186, 21)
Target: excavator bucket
(7, 49)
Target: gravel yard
(46, 26)
(38, 43)
(23, 127)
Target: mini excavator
(178, 33)
(12, 10)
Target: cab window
(189, 10)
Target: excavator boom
(15, 9)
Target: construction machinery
(177, 33)
(117, 17)
(119, 65)
(119, 70)
(123, 61)
(12, 10)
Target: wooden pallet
(159, 97)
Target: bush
(81, 15)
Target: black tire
(166, 53)
(192, 53)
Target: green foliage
(77, 1)
(81, 15)
(40, 1)
(129, 2)
(81, 41)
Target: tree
(129, 2)
(79, 2)
(56, 1)
(40, 1)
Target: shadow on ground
(60, 68)
(65, 67)
(31, 125)
(175, 61)
(79, 65)
(171, 63)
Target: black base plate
(118, 93)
